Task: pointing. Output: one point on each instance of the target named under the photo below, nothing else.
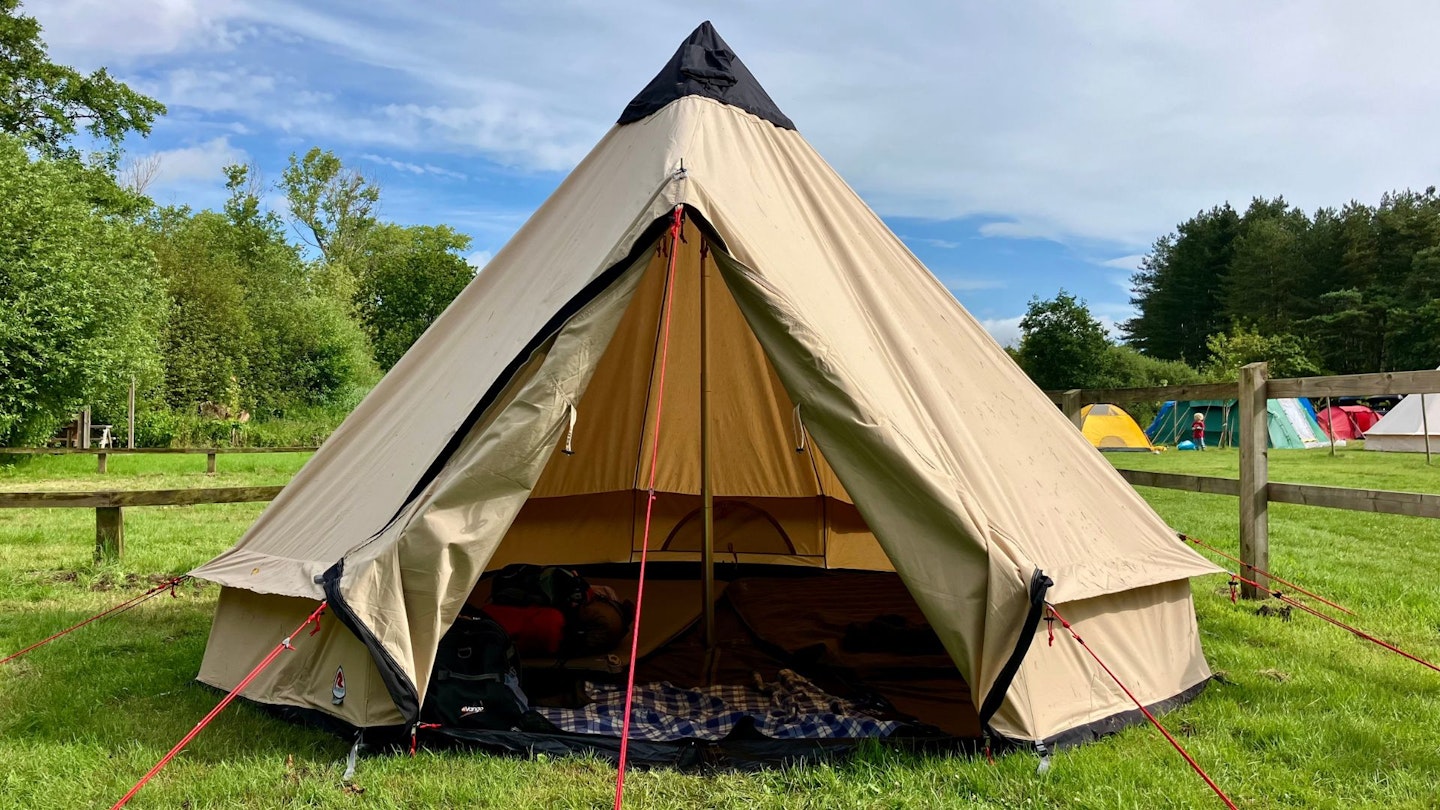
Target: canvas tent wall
(1110, 428)
(519, 427)
(1404, 428)
(1290, 422)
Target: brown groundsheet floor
(764, 624)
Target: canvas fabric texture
(947, 462)
(1404, 428)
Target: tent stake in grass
(120, 608)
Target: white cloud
(1017, 230)
(90, 30)
(199, 163)
(413, 168)
(479, 259)
(1097, 121)
(1131, 262)
(1005, 330)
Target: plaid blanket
(790, 708)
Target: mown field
(1304, 715)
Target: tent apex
(705, 66)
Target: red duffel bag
(536, 631)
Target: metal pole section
(130, 441)
(707, 496)
(1254, 472)
(1425, 426)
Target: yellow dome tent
(1109, 427)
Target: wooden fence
(102, 454)
(109, 507)
(1253, 487)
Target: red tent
(1349, 421)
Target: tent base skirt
(1104, 727)
(736, 754)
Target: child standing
(1197, 431)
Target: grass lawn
(1305, 715)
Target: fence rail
(1384, 501)
(1253, 488)
(109, 507)
(102, 454)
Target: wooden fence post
(102, 464)
(209, 463)
(109, 534)
(1070, 403)
(1254, 472)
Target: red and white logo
(337, 689)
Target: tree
(1180, 287)
(1265, 281)
(246, 322)
(410, 276)
(1062, 345)
(333, 210)
(80, 306)
(1288, 355)
(45, 104)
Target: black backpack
(527, 585)
(476, 679)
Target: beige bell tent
(844, 415)
(1405, 428)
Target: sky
(1018, 148)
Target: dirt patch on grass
(109, 582)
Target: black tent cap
(705, 66)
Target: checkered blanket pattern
(790, 708)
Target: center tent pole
(707, 495)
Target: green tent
(1291, 423)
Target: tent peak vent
(705, 66)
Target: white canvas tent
(1404, 428)
(518, 428)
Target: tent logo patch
(466, 711)
(337, 689)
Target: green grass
(1306, 716)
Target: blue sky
(1017, 147)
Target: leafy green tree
(410, 276)
(1288, 355)
(1128, 368)
(333, 209)
(45, 104)
(1062, 345)
(246, 314)
(80, 306)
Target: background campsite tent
(1348, 422)
(521, 425)
(1110, 428)
(1403, 429)
(1291, 423)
